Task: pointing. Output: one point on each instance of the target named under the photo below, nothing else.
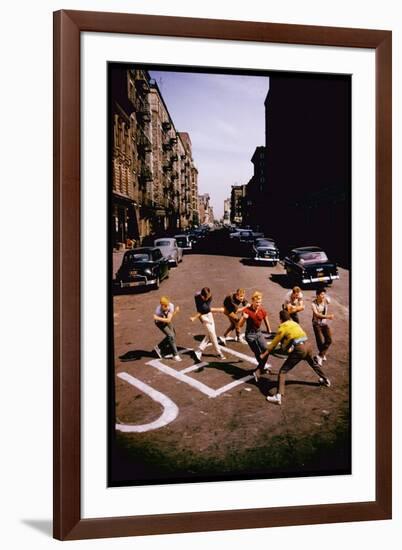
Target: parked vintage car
(251, 238)
(184, 242)
(241, 234)
(265, 251)
(170, 250)
(195, 235)
(310, 264)
(142, 267)
(245, 235)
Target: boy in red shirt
(254, 315)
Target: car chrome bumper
(145, 282)
(259, 259)
(325, 279)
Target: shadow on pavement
(249, 262)
(229, 367)
(281, 279)
(136, 355)
(199, 337)
(117, 291)
(266, 385)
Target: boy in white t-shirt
(294, 303)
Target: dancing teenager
(233, 305)
(294, 341)
(163, 317)
(322, 331)
(203, 300)
(254, 315)
(294, 303)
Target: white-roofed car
(170, 250)
(184, 242)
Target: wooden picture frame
(68, 523)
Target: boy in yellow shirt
(294, 340)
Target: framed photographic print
(222, 275)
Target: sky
(225, 118)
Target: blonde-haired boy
(163, 316)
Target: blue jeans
(257, 343)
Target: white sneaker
(267, 367)
(241, 339)
(275, 399)
(222, 340)
(221, 356)
(158, 352)
(177, 358)
(324, 357)
(198, 354)
(318, 359)
(325, 382)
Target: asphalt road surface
(190, 422)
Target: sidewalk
(117, 259)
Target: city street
(211, 419)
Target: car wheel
(274, 263)
(157, 283)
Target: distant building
(189, 173)
(226, 212)
(131, 148)
(154, 177)
(175, 180)
(255, 208)
(211, 215)
(205, 209)
(308, 162)
(237, 203)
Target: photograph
(212, 310)
(229, 274)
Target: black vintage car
(142, 267)
(196, 234)
(310, 264)
(265, 251)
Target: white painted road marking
(181, 352)
(240, 355)
(170, 409)
(194, 367)
(233, 385)
(200, 386)
(182, 377)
